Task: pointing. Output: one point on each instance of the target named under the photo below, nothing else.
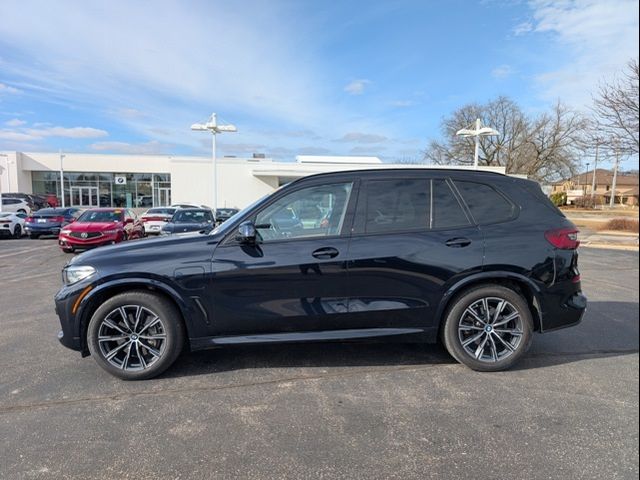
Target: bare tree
(616, 109)
(543, 147)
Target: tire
(34, 236)
(464, 334)
(135, 357)
(22, 210)
(17, 231)
(69, 250)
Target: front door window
(310, 212)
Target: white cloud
(522, 28)
(502, 71)
(14, 136)
(73, 132)
(600, 37)
(358, 137)
(4, 88)
(356, 87)
(15, 122)
(402, 103)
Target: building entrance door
(164, 197)
(84, 196)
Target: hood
(93, 226)
(141, 249)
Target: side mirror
(246, 232)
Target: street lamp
(62, 155)
(477, 132)
(213, 127)
(586, 179)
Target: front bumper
(65, 299)
(66, 241)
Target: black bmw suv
(477, 260)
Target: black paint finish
(353, 285)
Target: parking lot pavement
(569, 410)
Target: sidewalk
(614, 240)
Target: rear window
(192, 216)
(485, 203)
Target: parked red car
(100, 226)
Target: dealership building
(142, 181)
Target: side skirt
(404, 334)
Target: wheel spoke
(494, 350)
(485, 306)
(149, 325)
(143, 364)
(515, 333)
(475, 316)
(469, 327)
(138, 315)
(498, 311)
(507, 319)
(112, 338)
(480, 349)
(150, 349)
(127, 357)
(125, 318)
(115, 351)
(506, 344)
(158, 336)
(110, 324)
(475, 338)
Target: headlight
(65, 232)
(74, 273)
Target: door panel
(279, 287)
(397, 280)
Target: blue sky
(296, 77)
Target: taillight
(152, 219)
(28, 219)
(563, 238)
(57, 219)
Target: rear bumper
(567, 312)
(42, 230)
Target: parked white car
(156, 218)
(11, 224)
(15, 205)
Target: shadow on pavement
(608, 329)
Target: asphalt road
(570, 409)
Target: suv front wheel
(135, 335)
(488, 328)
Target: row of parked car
(81, 229)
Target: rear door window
(446, 211)
(485, 203)
(397, 205)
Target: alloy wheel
(490, 329)
(132, 337)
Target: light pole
(1, 170)
(595, 168)
(213, 127)
(586, 179)
(477, 132)
(612, 201)
(62, 178)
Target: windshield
(223, 227)
(192, 216)
(161, 211)
(226, 211)
(101, 216)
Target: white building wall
(240, 181)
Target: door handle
(325, 253)
(458, 242)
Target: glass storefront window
(137, 190)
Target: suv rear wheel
(135, 335)
(488, 328)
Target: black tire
(22, 210)
(168, 349)
(17, 231)
(459, 323)
(34, 236)
(69, 250)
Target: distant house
(580, 185)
